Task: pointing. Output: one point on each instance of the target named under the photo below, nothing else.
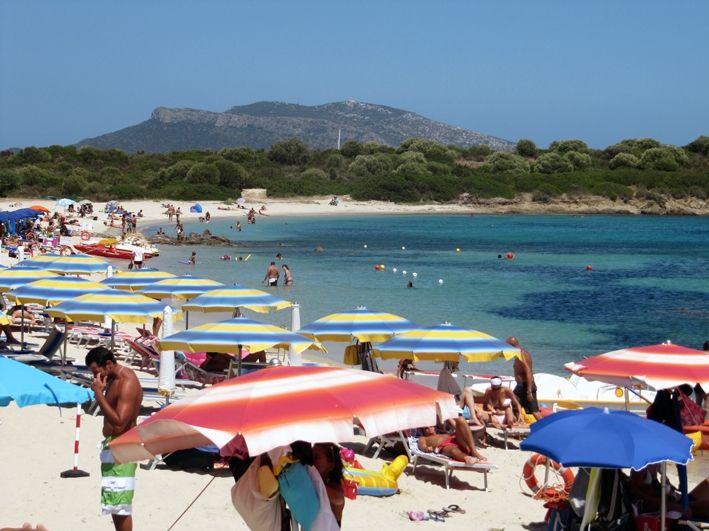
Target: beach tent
(17, 215)
(65, 203)
(196, 208)
(111, 206)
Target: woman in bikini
(459, 446)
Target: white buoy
(414, 274)
(403, 272)
(394, 270)
(403, 248)
(365, 246)
(440, 281)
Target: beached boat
(119, 249)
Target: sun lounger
(390, 439)
(45, 353)
(517, 432)
(448, 464)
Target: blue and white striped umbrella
(118, 305)
(361, 324)
(51, 291)
(225, 336)
(230, 298)
(73, 264)
(14, 278)
(182, 287)
(136, 279)
(445, 342)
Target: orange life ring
(85, 235)
(549, 492)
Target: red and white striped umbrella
(276, 406)
(656, 366)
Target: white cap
(496, 380)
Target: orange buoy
(589, 267)
(510, 255)
(549, 492)
(85, 235)
(376, 267)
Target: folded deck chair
(45, 353)
(448, 464)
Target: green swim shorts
(117, 483)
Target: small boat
(122, 250)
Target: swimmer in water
(192, 260)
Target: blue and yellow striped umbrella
(136, 279)
(361, 324)
(74, 264)
(117, 305)
(183, 287)
(50, 291)
(229, 299)
(445, 342)
(14, 278)
(226, 336)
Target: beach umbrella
(117, 305)
(359, 324)
(655, 367)
(65, 203)
(445, 342)
(28, 386)
(39, 208)
(15, 277)
(181, 287)
(136, 279)
(599, 438)
(232, 298)
(277, 406)
(73, 264)
(50, 291)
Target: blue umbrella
(595, 437)
(28, 386)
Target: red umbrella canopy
(276, 406)
(656, 366)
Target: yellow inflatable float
(382, 483)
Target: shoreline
(153, 211)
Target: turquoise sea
(649, 283)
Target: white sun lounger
(449, 465)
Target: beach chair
(389, 439)
(516, 432)
(449, 465)
(45, 353)
(188, 370)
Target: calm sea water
(649, 283)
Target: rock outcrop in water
(206, 238)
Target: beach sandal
(455, 509)
(437, 516)
(416, 516)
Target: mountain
(259, 125)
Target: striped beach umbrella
(226, 336)
(445, 342)
(655, 367)
(117, 305)
(74, 264)
(361, 324)
(182, 287)
(50, 291)
(136, 279)
(14, 278)
(231, 298)
(276, 406)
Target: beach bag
(298, 491)
(260, 513)
(351, 355)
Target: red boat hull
(106, 251)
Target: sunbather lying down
(460, 446)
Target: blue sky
(599, 70)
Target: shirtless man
(460, 446)
(119, 396)
(526, 389)
(272, 275)
(499, 402)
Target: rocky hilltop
(259, 125)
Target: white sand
(37, 444)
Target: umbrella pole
(22, 326)
(113, 334)
(187, 320)
(663, 499)
(66, 336)
(627, 399)
(238, 357)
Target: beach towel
(299, 492)
(117, 483)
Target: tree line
(417, 170)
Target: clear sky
(598, 70)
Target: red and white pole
(75, 472)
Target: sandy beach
(37, 444)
